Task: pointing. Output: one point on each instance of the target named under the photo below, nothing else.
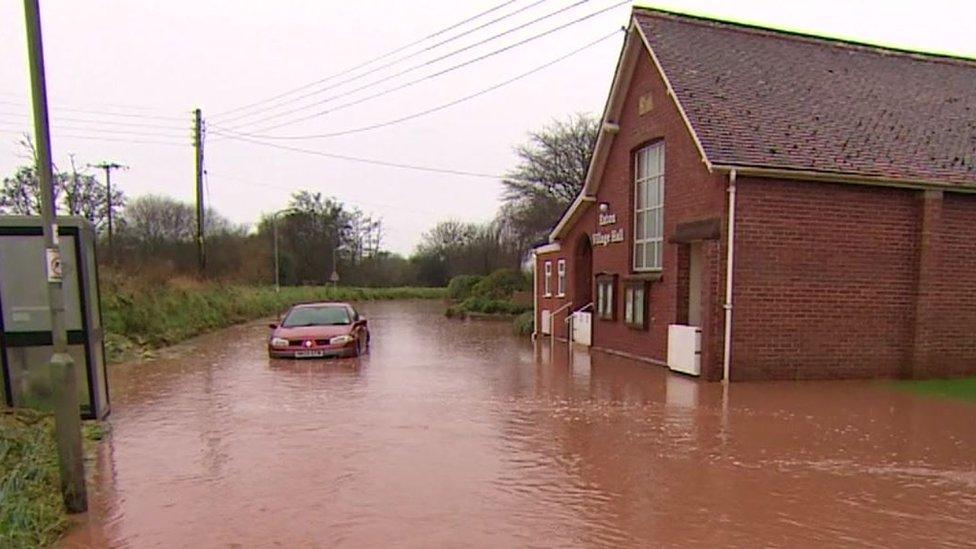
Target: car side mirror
(272, 325)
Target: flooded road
(452, 434)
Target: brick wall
(946, 319)
(825, 278)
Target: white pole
(729, 258)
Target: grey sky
(163, 58)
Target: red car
(314, 330)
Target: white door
(583, 328)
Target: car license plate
(309, 354)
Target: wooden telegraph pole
(64, 384)
(198, 148)
(108, 167)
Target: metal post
(108, 203)
(274, 224)
(274, 228)
(64, 384)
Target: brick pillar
(927, 314)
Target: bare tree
(551, 172)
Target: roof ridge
(808, 37)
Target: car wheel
(360, 346)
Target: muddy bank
(452, 433)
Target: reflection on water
(459, 434)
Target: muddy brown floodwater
(452, 434)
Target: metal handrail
(560, 309)
(580, 310)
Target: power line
(427, 63)
(97, 130)
(105, 113)
(102, 121)
(362, 160)
(437, 108)
(385, 65)
(361, 203)
(369, 61)
(98, 138)
(143, 108)
(424, 78)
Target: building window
(605, 297)
(561, 277)
(635, 305)
(547, 280)
(649, 207)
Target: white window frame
(649, 207)
(561, 278)
(635, 305)
(547, 281)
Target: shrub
(461, 286)
(480, 304)
(525, 323)
(501, 284)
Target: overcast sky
(116, 66)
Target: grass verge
(31, 511)
(139, 316)
(959, 389)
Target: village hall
(764, 205)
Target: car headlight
(341, 340)
(279, 342)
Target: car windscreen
(316, 316)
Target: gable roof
(765, 98)
(772, 103)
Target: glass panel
(650, 194)
(651, 224)
(640, 195)
(639, 306)
(629, 307)
(639, 255)
(650, 254)
(640, 229)
(658, 254)
(609, 300)
(660, 223)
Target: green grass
(960, 389)
(31, 510)
(141, 316)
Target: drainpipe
(535, 295)
(730, 256)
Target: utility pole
(64, 384)
(108, 167)
(198, 147)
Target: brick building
(843, 175)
